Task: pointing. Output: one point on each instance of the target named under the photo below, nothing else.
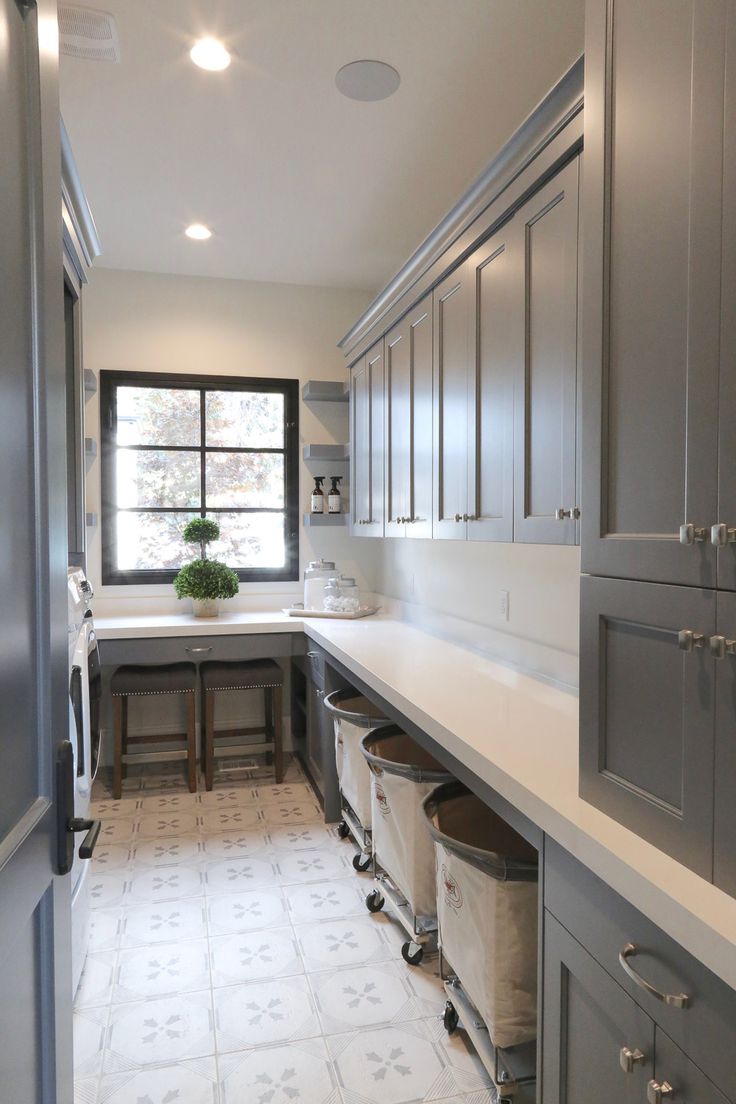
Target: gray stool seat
(168, 678)
(133, 682)
(246, 674)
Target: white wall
(159, 323)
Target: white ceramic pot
(205, 607)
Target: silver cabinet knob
(687, 640)
(691, 534)
(629, 1058)
(572, 514)
(458, 517)
(721, 535)
(657, 1091)
(720, 647)
(468, 517)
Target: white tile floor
(233, 961)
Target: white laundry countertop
(516, 733)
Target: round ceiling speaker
(367, 80)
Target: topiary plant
(206, 580)
(201, 531)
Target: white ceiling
(299, 184)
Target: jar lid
(321, 565)
(347, 581)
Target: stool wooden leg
(117, 756)
(278, 743)
(268, 711)
(191, 741)
(209, 737)
(124, 741)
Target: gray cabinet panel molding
(646, 712)
(367, 443)
(724, 839)
(452, 363)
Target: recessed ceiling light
(209, 53)
(367, 80)
(198, 232)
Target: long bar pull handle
(674, 1000)
(687, 640)
(690, 534)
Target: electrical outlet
(503, 604)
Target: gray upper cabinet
(408, 391)
(652, 209)
(544, 244)
(495, 356)
(367, 452)
(452, 362)
(647, 696)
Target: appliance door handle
(674, 1000)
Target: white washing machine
(84, 734)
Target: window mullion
(202, 453)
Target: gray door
(366, 438)
(35, 945)
(452, 320)
(651, 286)
(495, 362)
(724, 839)
(544, 243)
(592, 1030)
(647, 700)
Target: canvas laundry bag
(487, 910)
(403, 774)
(353, 715)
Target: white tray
(364, 611)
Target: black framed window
(176, 447)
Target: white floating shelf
(326, 452)
(324, 519)
(325, 391)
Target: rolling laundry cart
(487, 914)
(354, 715)
(403, 774)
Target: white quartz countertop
(519, 735)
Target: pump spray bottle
(334, 501)
(318, 497)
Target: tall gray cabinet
(367, 443)
(658, 714)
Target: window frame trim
(110, 380)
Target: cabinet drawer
(689, 1084)
(196, 649)
(604, 923)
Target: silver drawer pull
(198, 651)
(687, 640)
(657, 1091)
(721, 535)
(313, 655)
(674, 1000)
(720, 647)
(690, 533)
(561, 514)
(629, 1058)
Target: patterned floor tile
(306, 838)
(299, 1073)
(390, 1065)
(107, 808)
(221, 845)
(105, 928)
(237, 874)
(118, 829)
(158, 1031)
(188, 1082)
(164, 883)
(156, 825)
(107, 888)
(168, 850)
(255, 910)
(312, 866)
(112, 856)
(164, 922)
(225, 797)
(349, 942)
(292, 812)
(160, 970)
(261, 1013)
(286, 792)
(232, 818)
(362, 996)
(89, 1041)
(167, 801)
(253, 955)
(325, 900)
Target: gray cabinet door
(409, 424)
(724, 839)
(673, 1068)
(651, 285)
(544, 240)
(647, 710)
(589, 1024)
(366, 440)
(452, 357)
(495, 356)
(727, 397)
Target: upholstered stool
(132, 682)
(249, 674)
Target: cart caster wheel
(342, 830)
(374, 902)
(450, 1018)
(361, 862)
(412, 953)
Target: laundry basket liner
(403, 774)
(352, 715)
(487, 910)
(461, 822)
